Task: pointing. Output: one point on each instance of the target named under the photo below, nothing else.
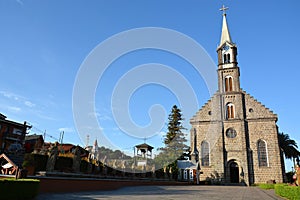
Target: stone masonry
(241, 133)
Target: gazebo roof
(144, 146)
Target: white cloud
(7, 94)
(105, 117)
(100, 116)
(17, 98)
(14, 109)
(29, 104)
(66, 129)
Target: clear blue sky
(44, 43)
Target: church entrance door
(234, 172)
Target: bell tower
(228, 71)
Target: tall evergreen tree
(174, 140)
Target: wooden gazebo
(144, 150)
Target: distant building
(94, 151)
(187, 170)
(33, 143)
(12, 135)
(12, 140)
(236, 136)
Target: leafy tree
(174, 141)
(288, 147)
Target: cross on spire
(224, 9)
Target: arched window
(226, 58)
(262, 153)
(230, 111)
(204, 153)
(228, 83)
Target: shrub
(83, 166)
(290, 192)
(63, 163)
(266, 186)
(18, 188)
(40, 162)
(28, 160)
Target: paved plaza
(171, 192)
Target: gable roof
(5, 157)
(144, 146)
(211, 110)
(2, 116)
(256, 110)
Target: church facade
(233, 136)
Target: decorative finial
(224, 9)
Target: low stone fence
(62, 185)
(51, 184)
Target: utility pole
(45, 135)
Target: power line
(44, 133)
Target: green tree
(174, 141)
(288, 146)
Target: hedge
(289, 192)
(18, 188)
(63, 164)
(40, 162)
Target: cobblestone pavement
(171, 192)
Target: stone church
(234, 136)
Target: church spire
(225, 36)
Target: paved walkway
(171, 192)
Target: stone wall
(267, 131)
(253, 121)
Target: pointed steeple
(95, 147)
(225, 36)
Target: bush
(19, 188)
(266, 186)
(28, 160)
(40, 162)
(83, 166)
(289, 192)
(63, 164)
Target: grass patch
(266, 186)
(289, 192)
(18, 189)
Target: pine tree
(174, 141)
(175, 138)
